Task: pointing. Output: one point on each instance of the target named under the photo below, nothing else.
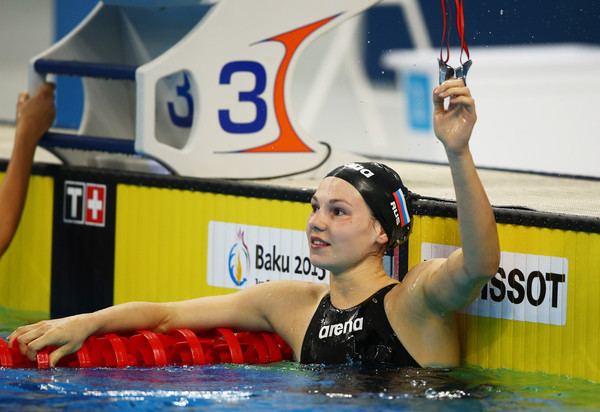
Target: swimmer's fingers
(52, 337)
(62, 351)
(459, 95)
(26, 334)
(438, 102)
(448, 89)
(18, 332)
(465, 101)
(451, 83)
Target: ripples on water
(288, 386)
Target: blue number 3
(252, 96)
(183, 91)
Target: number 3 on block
(251, 96)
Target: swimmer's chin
(317, 263)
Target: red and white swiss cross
(95, 204)
(84, 203)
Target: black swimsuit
(360, 334)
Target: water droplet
(502, 12)
(430, 393)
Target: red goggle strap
(460, 28)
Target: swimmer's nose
(316, 222)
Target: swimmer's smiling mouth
(317, 242)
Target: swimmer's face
(341, 229)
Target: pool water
(289, 386)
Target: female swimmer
(363, 315)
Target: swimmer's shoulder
(410, 292)
(288, 305)
(423, 270)
(293, 291)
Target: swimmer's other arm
(254, 308)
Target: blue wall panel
(69, 94)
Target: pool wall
(90, 238)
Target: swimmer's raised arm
(272, 306)
(34, 117)
(454, 282)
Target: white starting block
(200, 86)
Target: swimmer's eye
(338, 211)
(314, 207)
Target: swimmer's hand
(67, 333)
(453, 127)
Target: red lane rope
(149, 349)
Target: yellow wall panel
(573, 348)
(162, 234)
(25, 268)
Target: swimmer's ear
(379, 237)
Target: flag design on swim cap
(403, 218)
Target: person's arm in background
(34, 117)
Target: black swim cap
(383, 191)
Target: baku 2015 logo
(239, 260)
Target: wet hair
(385, 194)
